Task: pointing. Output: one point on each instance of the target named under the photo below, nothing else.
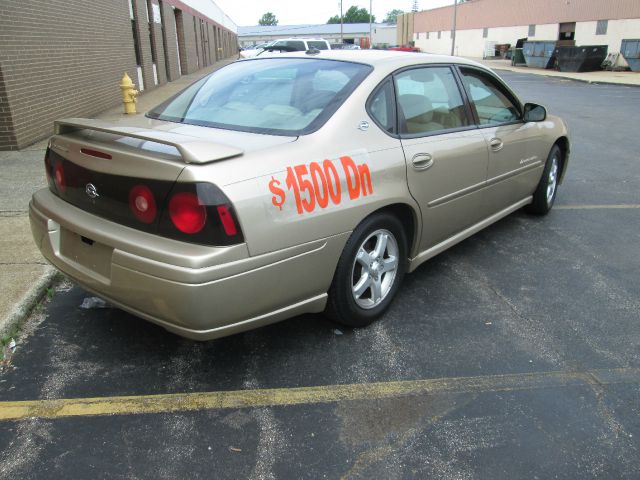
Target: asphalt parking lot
(515, 354)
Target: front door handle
(422, 161)
(496, 144)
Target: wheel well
(563, 144)
(407, 216)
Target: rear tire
(369, 272)
(545, 193)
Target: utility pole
(370, 22)
(341, 29)
(453, 30)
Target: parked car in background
(404, 49)
(289, 184)
(287, 45)
(344, 46)
(298, 45)
(253, 51)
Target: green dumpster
(517, 57)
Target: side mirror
(534, 113)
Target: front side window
(277, 96)
(429, 101)
(493, 104)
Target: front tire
(369, 272)
(545, 193)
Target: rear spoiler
(192, 149)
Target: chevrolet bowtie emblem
(91, 190)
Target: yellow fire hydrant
(129, 94)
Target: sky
(288, 12)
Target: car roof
(380, 58)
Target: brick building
(65, 58)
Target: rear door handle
(496, 144)
(422, 161)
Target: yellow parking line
(596, 207)
(80, 407)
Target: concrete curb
(26, 304)
(567, 77)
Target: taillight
(186, 212)
(197, 212)
(142, 203)
(47, 167)
(58, 177)
(200, 213)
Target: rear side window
(491, 101)
(271, 95)
(381, 107)
(317, 44)
(429, 101)
(295, 45)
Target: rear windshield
(281, 96)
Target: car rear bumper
(195, 291)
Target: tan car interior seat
(418, 114)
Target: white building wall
(617, 30)
(434, 44)
(544, 32)
(470, 43)
(211, 10)
(384, 35)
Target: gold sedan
(297, 183)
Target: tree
(392, 16)
(268, 19)
(353, 15)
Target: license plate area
(93, 257)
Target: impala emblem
(91, 190)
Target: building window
(601, 27)
(150, 27)
(485, 32)
(136, 43)
(532, 31)
(439, 34)
(427, 35)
